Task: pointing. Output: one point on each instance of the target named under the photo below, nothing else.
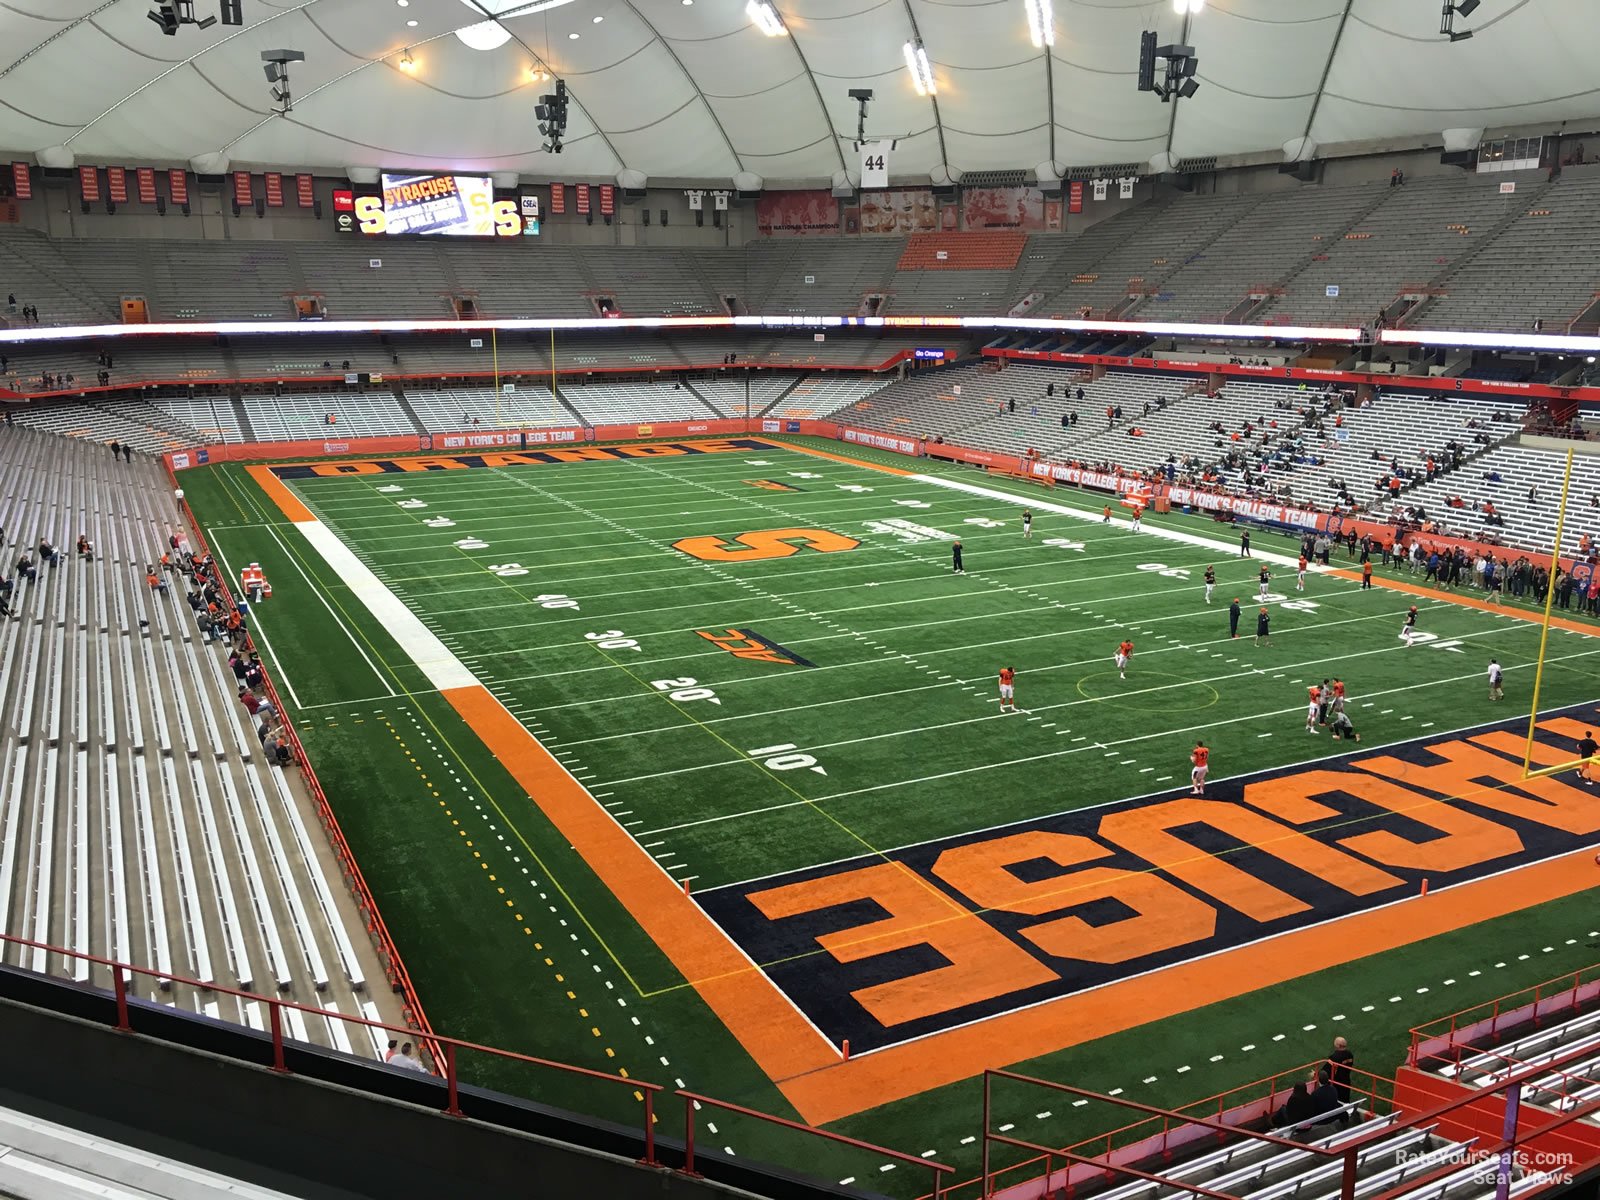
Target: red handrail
(693, 1100)
(1511, 1005)
(448, 1047)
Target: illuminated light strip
(1559, 343)
(1294, 333)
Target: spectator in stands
(255, 705)
(26, 569)
(1324, 1097)
(236, 664)
(85, 548)
(407, 1061)
(157, 584)
(48, 554)
(203, 620)
(253, 677)
(1296, 1108)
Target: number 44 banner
(875, 164)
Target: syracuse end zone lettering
(524, 458)
(764, 544)
(950, 932)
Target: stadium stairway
(138, 819)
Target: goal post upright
(1549, 601)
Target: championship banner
(21, 181)
(558, 198)
(1100, 189)
(305, 191)
(241, 189)
(1125, 187)
(178, 185)
(117, 184)
(1075, 196)
(89, 183)
(272, 185)
(583, 199)
(146, 179)
(608, 199)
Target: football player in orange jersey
(1200, 757)
(1124, 653)
(1008, 688)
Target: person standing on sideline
(1211, 582)
(1244, 545)
(1263, 626)
(1339, 1063)
(1027, 523)
(1497, 679)
(1233, 618)
(177, 495)
(1366, 576)
(1264, 578)
(1199, 759)
(1408, 631)
(955, 558)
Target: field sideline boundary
(813, 1075)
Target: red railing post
(275, 1019)
(454, 1110)
(688, 1137)
(1347, 1185)
(984, 1189)
(119, 985)
(649, 1158)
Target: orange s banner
(764, 544)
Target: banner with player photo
(797, 212)
(1003, 208)
(895, 212)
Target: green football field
(761, 665)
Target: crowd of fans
(219, 620)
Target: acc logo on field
(764, 544)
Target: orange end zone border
(812, 1074)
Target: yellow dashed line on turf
(477, 854)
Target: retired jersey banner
(89, 183)
(21, 181)
(875, 164)
(146, 179)
(178, 185)
(1099, 189)
(1125, 187)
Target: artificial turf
(560, 587)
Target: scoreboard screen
(434, 206)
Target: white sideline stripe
(442, 668)
(1171, 535)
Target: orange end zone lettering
(1175, 882)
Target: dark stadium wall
(56, 210)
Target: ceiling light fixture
(411, 24)
(572, 37)
(407, 63)
(765, 18)
(596, 20)
(1447, 18)
(921, 71)
(1188, 8)
(1041, 22)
